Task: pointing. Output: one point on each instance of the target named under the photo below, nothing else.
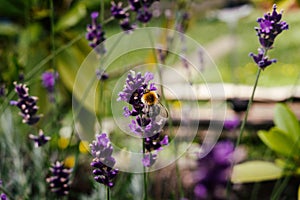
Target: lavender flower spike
(261, 60)
(270, 26)
(146, 125)
(39, 140)
(60, 180)
(26, 104)
(48, 80)
(117, 11)
(103, 161)
(95, 34)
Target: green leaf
(255, 171)
(277, 140)
(71, 18)
(286, 120)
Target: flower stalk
(248, 108)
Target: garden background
(38, 37)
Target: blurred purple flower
(140, 7)
(269, 27)
(59, 180)
(126, 25)
(48, 80)
(136, 5)
(101, 75)
(95, 34)
(117, 11)
(26, 104)
(214, 171)
(39, 140)
(144, 15)
(3, 196)
(231, 124)
(103, 161)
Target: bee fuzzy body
(150, 98)
(153, 107)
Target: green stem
(238, 141)
(248, 108)
(101, 11)
(145, 174)
(52, 32)
(107, 193)
(278, 192)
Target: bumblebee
(153, 107)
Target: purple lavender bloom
(126, 25)
(39, 140)
(26, 104)
(149, 159)
(48, 80)
(144, 15)
(103, 161)
(3, 196)
(135, 5)
(134, 90)
(269, 27)
(95, 34)
(60, 180)
(153, 142)
(117, 11)
(214, 171)
(261, 60)
(231, 124)
(148, 126)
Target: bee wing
(163, 112)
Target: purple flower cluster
(134, 90)
(39, 140)
(140, 7)
(3, 196)
(60, 179)
(231, 124)
(48, 80)
(95, 34)
(270, 26)
(103, 161)
(27, 104)
(148, 127)
(214, 171)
